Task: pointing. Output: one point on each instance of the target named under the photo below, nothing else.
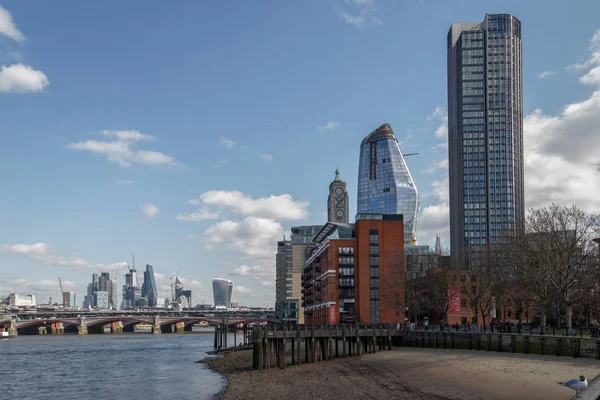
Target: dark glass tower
(485, 133)
(385, 185)
(149, 290)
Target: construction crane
(410, 154)
(62, 293)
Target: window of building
(463, 302)
(463, 278)
(346, 260)
(373, 162)
(385, 190)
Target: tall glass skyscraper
(485, 133)
(149, 290)
(222, 291)
(385, 185)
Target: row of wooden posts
(270, 346)
(221, 332)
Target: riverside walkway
(271, 344)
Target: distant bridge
(124, 322)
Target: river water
(123, 366)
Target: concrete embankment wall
(509, 343)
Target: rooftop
(383, 132)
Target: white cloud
(435, 218)
(274, 124)
(149, 210)
(127, 135)
(121, 149)
(21, 78)
(8, 26)
(267, 157)
(275, 207)
(438, 165)
(561, 156)
(349, 19)
(437, 113)
(39, 288)
(255, 270)
(365, 15)
(546, 74)
(263, 274)
(39, 252)
(196, 216)
(125, 182)
(594, 58)
(329, 126)
(442, 130)
(227, 142)
(243, 290)
(163, 284)
(253, 237)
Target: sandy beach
(408, 373)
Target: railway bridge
(122, 323)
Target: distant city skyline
(201, 162)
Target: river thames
(111, 366)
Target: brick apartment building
(344, 271)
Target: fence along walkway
(505, 342)
(322, 343)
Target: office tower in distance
(485, 134)
(385, 185)
(105, 284)
(222, 291)
(149, 290)
(187, 298)
(70, 299)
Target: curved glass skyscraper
(385, 185)
(222, 291)
(149, 289)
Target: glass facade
(385, 185)
(485, 132)
(222, 291)
(149, 290)
(283, 271)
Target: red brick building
(344, 271)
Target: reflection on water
(124, 366)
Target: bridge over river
(123, 323)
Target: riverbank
(407, 373)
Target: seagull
(576, 384)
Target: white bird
(577, 384)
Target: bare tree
(393, 291)
(510, 278)
(442, 288)
(480, 287)
(564, 252)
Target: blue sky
(163, 130)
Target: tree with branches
(443, 287)
(564, 253)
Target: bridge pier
(179, 327)
(116, 327)
(82, 327)
(12, 329)
(156, 328)
(57, 328)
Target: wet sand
(408, 373)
